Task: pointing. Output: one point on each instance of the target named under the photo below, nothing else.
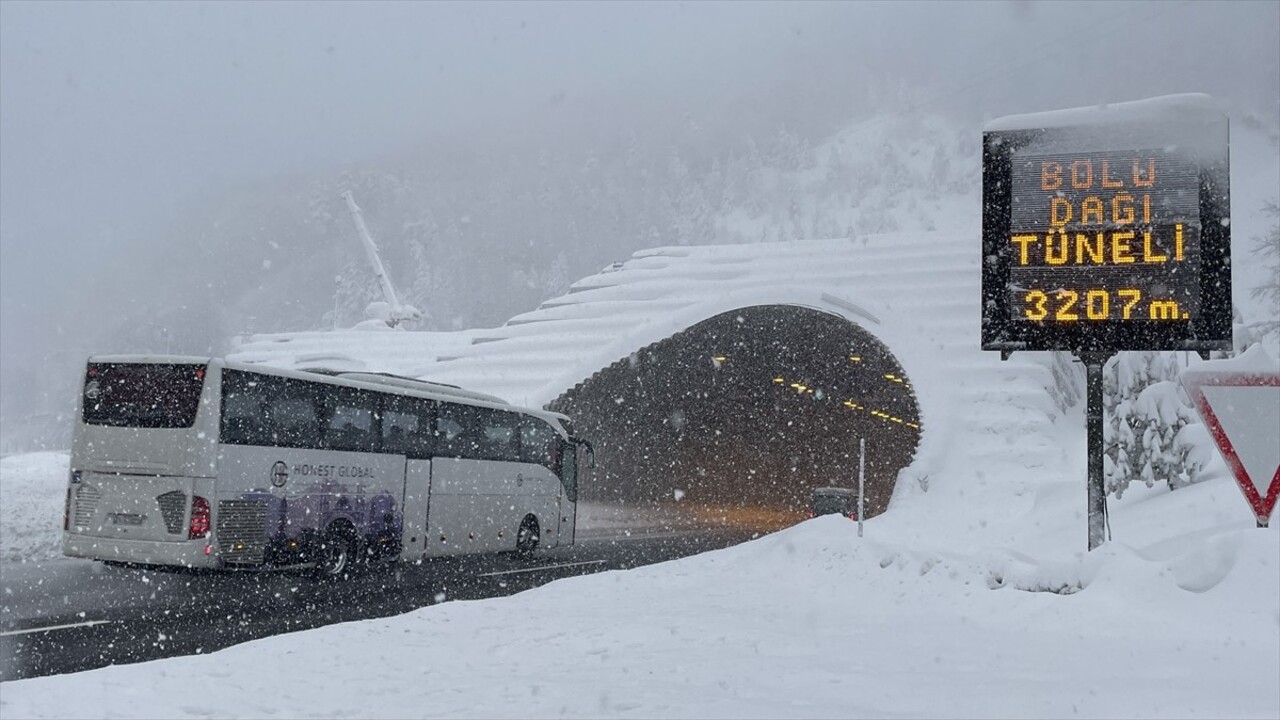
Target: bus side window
(450, 432)
(242, 411)
(406, 427)
(397, 428)
(291, 412)
(500, 437)
(537, 443)
(350, 424)
(477, 433)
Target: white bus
(209, 463)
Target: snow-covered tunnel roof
(917, 293)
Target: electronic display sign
(1108, 229)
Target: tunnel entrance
(751, 409)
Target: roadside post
(862, 480)
(1107, 229)
(1239, 402)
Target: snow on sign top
(1190, 107)
(1239, 401)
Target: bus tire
(337, 554)
(527, 536)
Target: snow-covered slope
(1178, 620)
(918, 293)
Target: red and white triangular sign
(1239, 403)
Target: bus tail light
(76, 477)
(199, 518)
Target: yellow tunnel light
(719, 358)
(855, 358)
(779, 380)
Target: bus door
(578, 455)
(569, 498)
(417, 507)
(407, 431)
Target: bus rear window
(142, 395)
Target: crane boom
(371, 249)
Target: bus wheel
(337, 552)
(527, 536)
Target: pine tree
(427, 284)
(1266, 249)
(356, 288)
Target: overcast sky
(115, 118)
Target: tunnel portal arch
(753, 408)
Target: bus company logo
(279, 474)
(93, 390)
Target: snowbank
(32, 494)
(1178, 619)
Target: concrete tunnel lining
(750, 408)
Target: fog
(169, 171)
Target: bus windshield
(142, 395)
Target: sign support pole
(862, 479)
(1093, 363)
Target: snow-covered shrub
(1194, 447)
(1144, 436)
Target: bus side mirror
(591, 453)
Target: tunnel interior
(749, 410)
